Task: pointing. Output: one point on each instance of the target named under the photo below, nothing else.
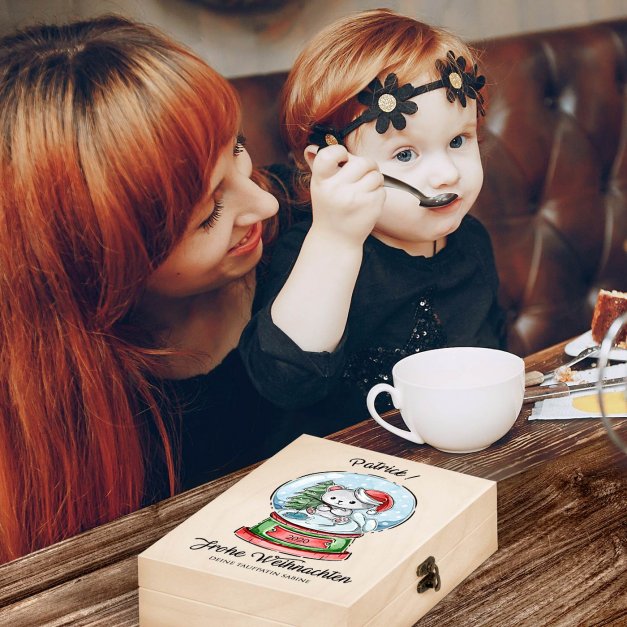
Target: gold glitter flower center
(387, 102)
(330, 139)
(455, 79)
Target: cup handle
(396, 399)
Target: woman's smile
(249, 242)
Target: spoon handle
(390, 181)
(425, 201)
(587, 352)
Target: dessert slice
(609, 305)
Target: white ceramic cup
(458, 400)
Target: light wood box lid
(379, 564)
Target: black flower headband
(390, 103)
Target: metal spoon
(587, 352)
(535, 377)
(426, 201)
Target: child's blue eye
(405, 155)
(457, 142)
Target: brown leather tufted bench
(555, 159)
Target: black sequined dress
(401, 305)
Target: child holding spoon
(375, 274)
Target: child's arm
(347, 197)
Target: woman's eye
(240, 143)
(213, 218)
(405, 155)
(457, 142)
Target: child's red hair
(344, 58)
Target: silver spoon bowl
(426, 201)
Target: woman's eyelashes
(218, 205)
(240, 143)
(207, 223)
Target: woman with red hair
(130, 228)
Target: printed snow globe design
(319, 515)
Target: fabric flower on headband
(458, 82)
(390, 103)
(386, 103)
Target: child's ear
(310, 154)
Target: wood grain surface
(562, 559)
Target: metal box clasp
(430, 574)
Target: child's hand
(347, 197)
(347, 194)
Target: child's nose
(443, 172)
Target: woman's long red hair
(108, 133)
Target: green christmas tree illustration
(309, 497)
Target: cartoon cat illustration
(341, 505)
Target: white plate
(584, 341)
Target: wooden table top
(562, 524)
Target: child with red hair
(375, 274)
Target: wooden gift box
(321, 534)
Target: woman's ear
(310, 154)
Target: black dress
(218, 423)
(401, 305)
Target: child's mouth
(448, 207)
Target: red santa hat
(382, 500)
